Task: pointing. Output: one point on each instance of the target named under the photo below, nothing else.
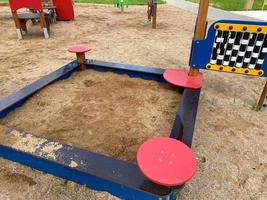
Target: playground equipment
(49, 7)
(264, 3)
(64, 9)
(163, 159)
(120, 178)
(43, 11)
(21, 19)
(163, 163)
(152, 12)
(238, 47)
(121, 4)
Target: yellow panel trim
(237, 70)
(241, 28)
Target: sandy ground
(102, 112)
(230, 137)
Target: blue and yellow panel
(233, 46)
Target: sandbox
(56, 124)
(103, 112)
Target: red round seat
(180, 78)
(166, 161)
(79, 49)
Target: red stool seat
(180, 78)
(79, 49)
(166, 161)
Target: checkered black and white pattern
(239, 49)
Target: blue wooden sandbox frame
(100, 172)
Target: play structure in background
(163, 163)
(121, 4)
(64, 9)
(44, 12)
(37, 14)
(152, 12)
(248, 4)
(238, 47)
(264, 4)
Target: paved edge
(213, 14)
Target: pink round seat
(79, 49)
(180, 78)
(166, 161)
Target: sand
(102, 112)
(230, 136)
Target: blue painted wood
(99, 172)
(177, 128)
(184, 123)
(187, 115)
(18, 98)
(133, 71)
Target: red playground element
(33, 4)
(180, 78)
(80, 54)
(21, 19)
(79, 49)
(166, 161)
(64, 9)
